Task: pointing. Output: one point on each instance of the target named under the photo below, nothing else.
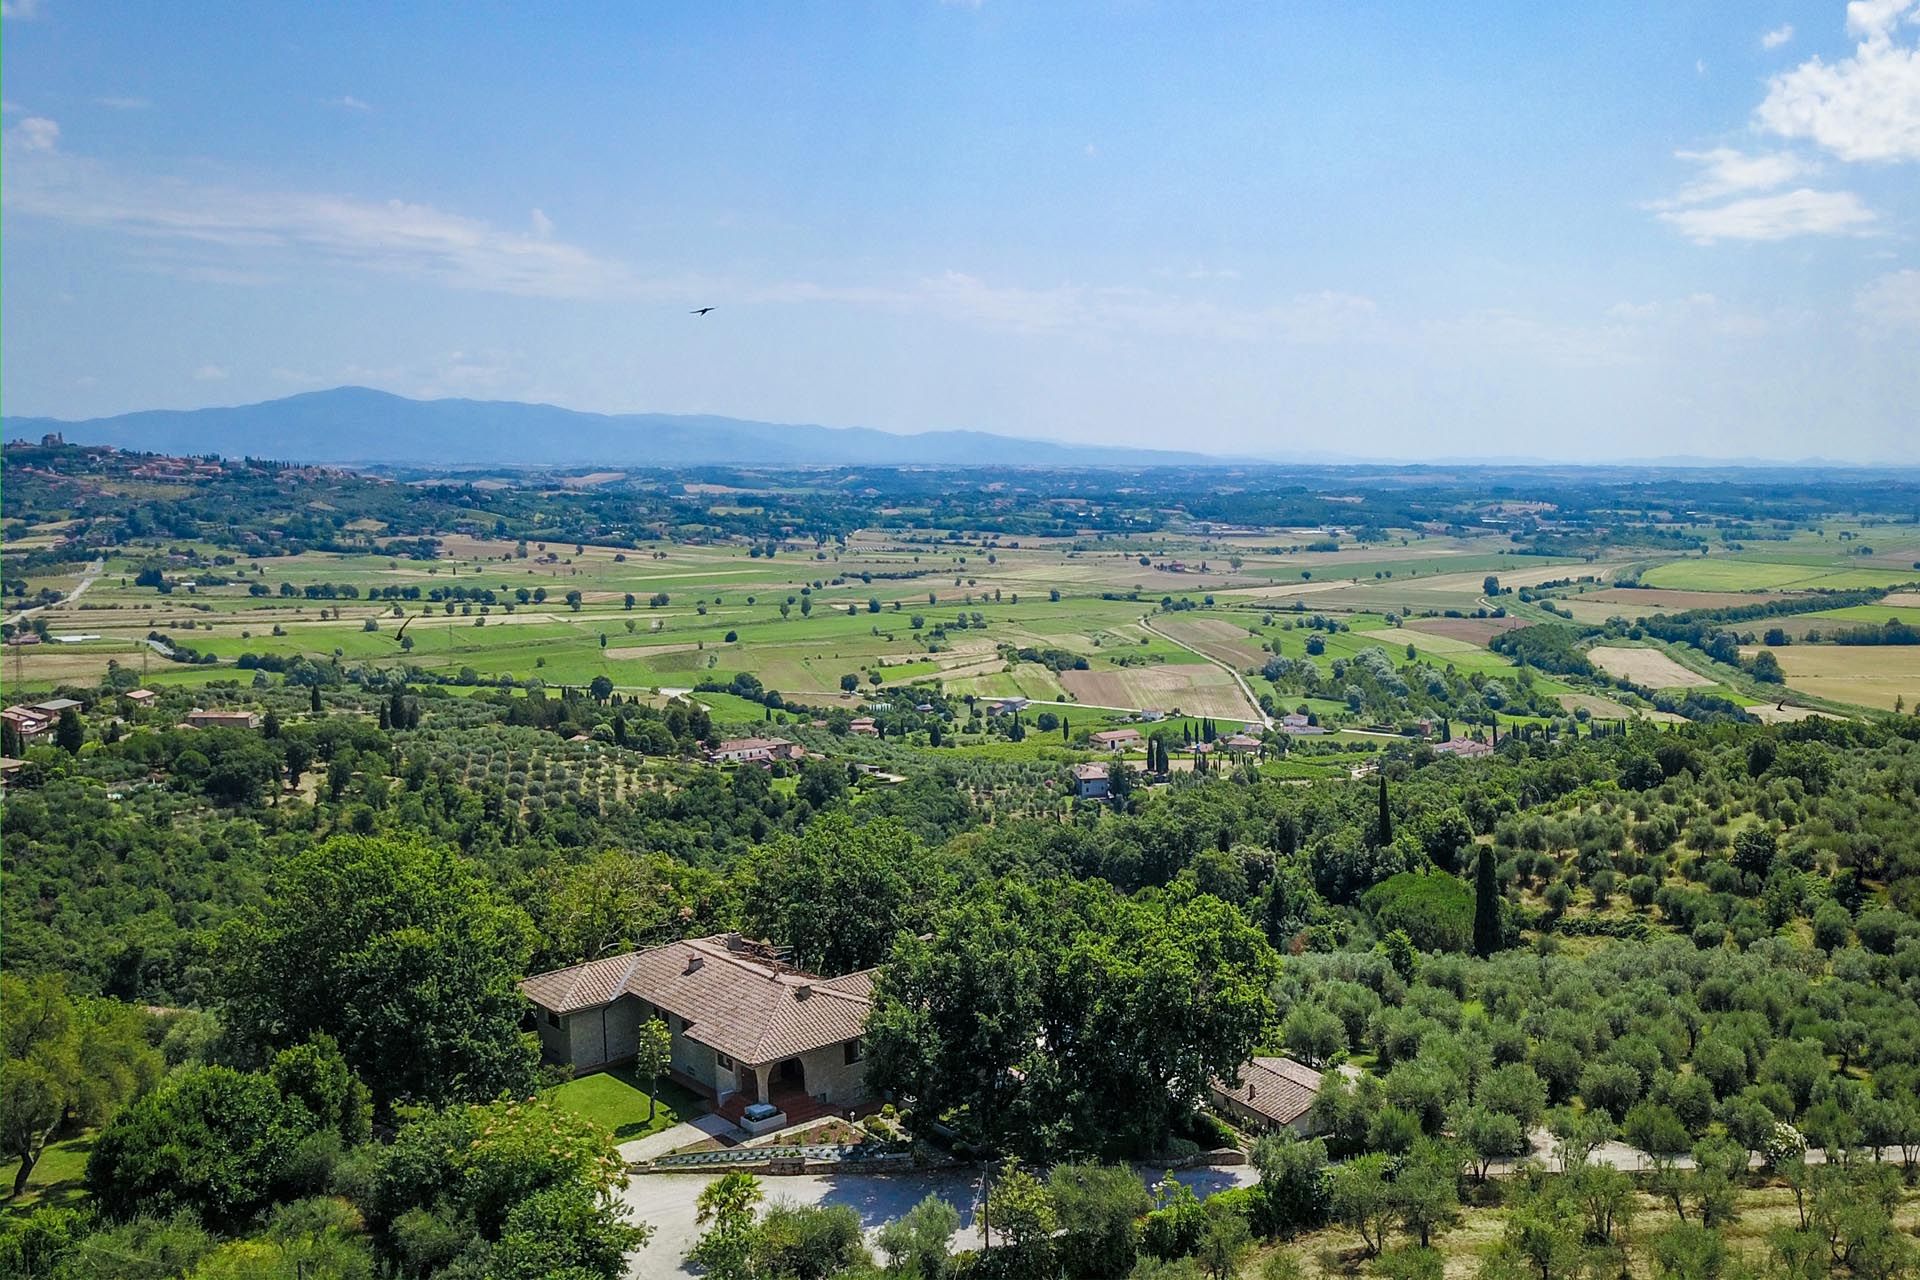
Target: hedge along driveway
(665, 1201)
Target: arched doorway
(789, 1075)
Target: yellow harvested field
(1781, 713)
(1864, 675)
(1649, 667)
(1217, 638)
(1198, 689)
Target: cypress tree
(386, 719)
(1486, 905)
(1385, 829)
(69, 734)
(314, 703)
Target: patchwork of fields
(886, 611)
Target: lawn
(615, 1100)
(56, 1179)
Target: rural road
(87, 576)
(1246, 690)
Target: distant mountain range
(355, 425)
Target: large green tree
(211, 1140)
(1070, 1018)
(400, 954)
(839, 892)
(66, 1062)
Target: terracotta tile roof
(1090, 772)
(731, 1000)
(1280, 1089)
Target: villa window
(553, 1019)
(855, 1050)
(722, 1060)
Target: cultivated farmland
(1649, 667)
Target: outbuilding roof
(1278, 1088)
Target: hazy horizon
(1402, 234)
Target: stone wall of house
(831, 1078)
(589, 1039)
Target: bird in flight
(403, 629)
(699, 311)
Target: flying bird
(699, 311)
(403, 628)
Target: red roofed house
(30, 721)
(1115, 739)
(142, 697)
(1462, 747)
(746, 1026)
(760, 751)
(1270, 1094)
(1090, 781)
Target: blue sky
(1396, 230)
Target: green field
(1718, 573)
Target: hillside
(360, 425)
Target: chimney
(803, 990)
(694, 962)
(1251, 1089)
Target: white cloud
(243, 233)
(19, 10)
(1891, 302)
(1725, 172)
(1865, 107)
(348, 102)
(1870, 18)
(209, 373)
(123, 103)
(35, 133)
(1777, 217)
(1777, 37)
(542, 224)
(1700, 66)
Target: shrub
(1434, 910)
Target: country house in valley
(746, 1026)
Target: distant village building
(202, 719)
(760, 751)
(1463, 747)
(864, 725)
(31, 722)
(1090, 781)
(1300, 726)
(142, 697)
(1115, 739)
(1240, 744)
